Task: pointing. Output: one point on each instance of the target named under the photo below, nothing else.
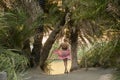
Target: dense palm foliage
(104, 54)
(93, 25)
(13, 33)
(12, 63)
(105, 51)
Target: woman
(64, 53)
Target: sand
(82, 74)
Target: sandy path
(91, 74)
(58, 67)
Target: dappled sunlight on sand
(57, 67)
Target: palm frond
(12, 63)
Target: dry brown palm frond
(89, 38)
(82, 37)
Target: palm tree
(82, 16)
(107, 20)
(43, 53)
(52, 37)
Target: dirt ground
(82, 74)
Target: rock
(3, 76)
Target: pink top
(63, 54)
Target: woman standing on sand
(64, 53)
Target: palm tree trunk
(26, 48)
(48, 44)
(37, 46)
(74, 44)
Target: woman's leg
(65, 64)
